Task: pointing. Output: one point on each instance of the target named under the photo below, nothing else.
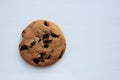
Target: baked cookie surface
(43, 43)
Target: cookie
(42, 44)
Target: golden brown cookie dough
(43, 43)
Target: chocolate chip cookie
(42, 44)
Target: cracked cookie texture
(43, 43)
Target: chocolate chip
(23, 31)
(32, 44)
(41, 58)
(54, 35)
(34, 22)
(46, 23)
(42, 54)
(46, 46)
(48, 57)
(36, 60)
(24, 47)
(60, 56)
(38, 32)
(39, 39)
(46, 36)
(31, 26)
(47, 41)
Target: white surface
(91, 28)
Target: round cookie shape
(43, 43)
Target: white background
(91, 28)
